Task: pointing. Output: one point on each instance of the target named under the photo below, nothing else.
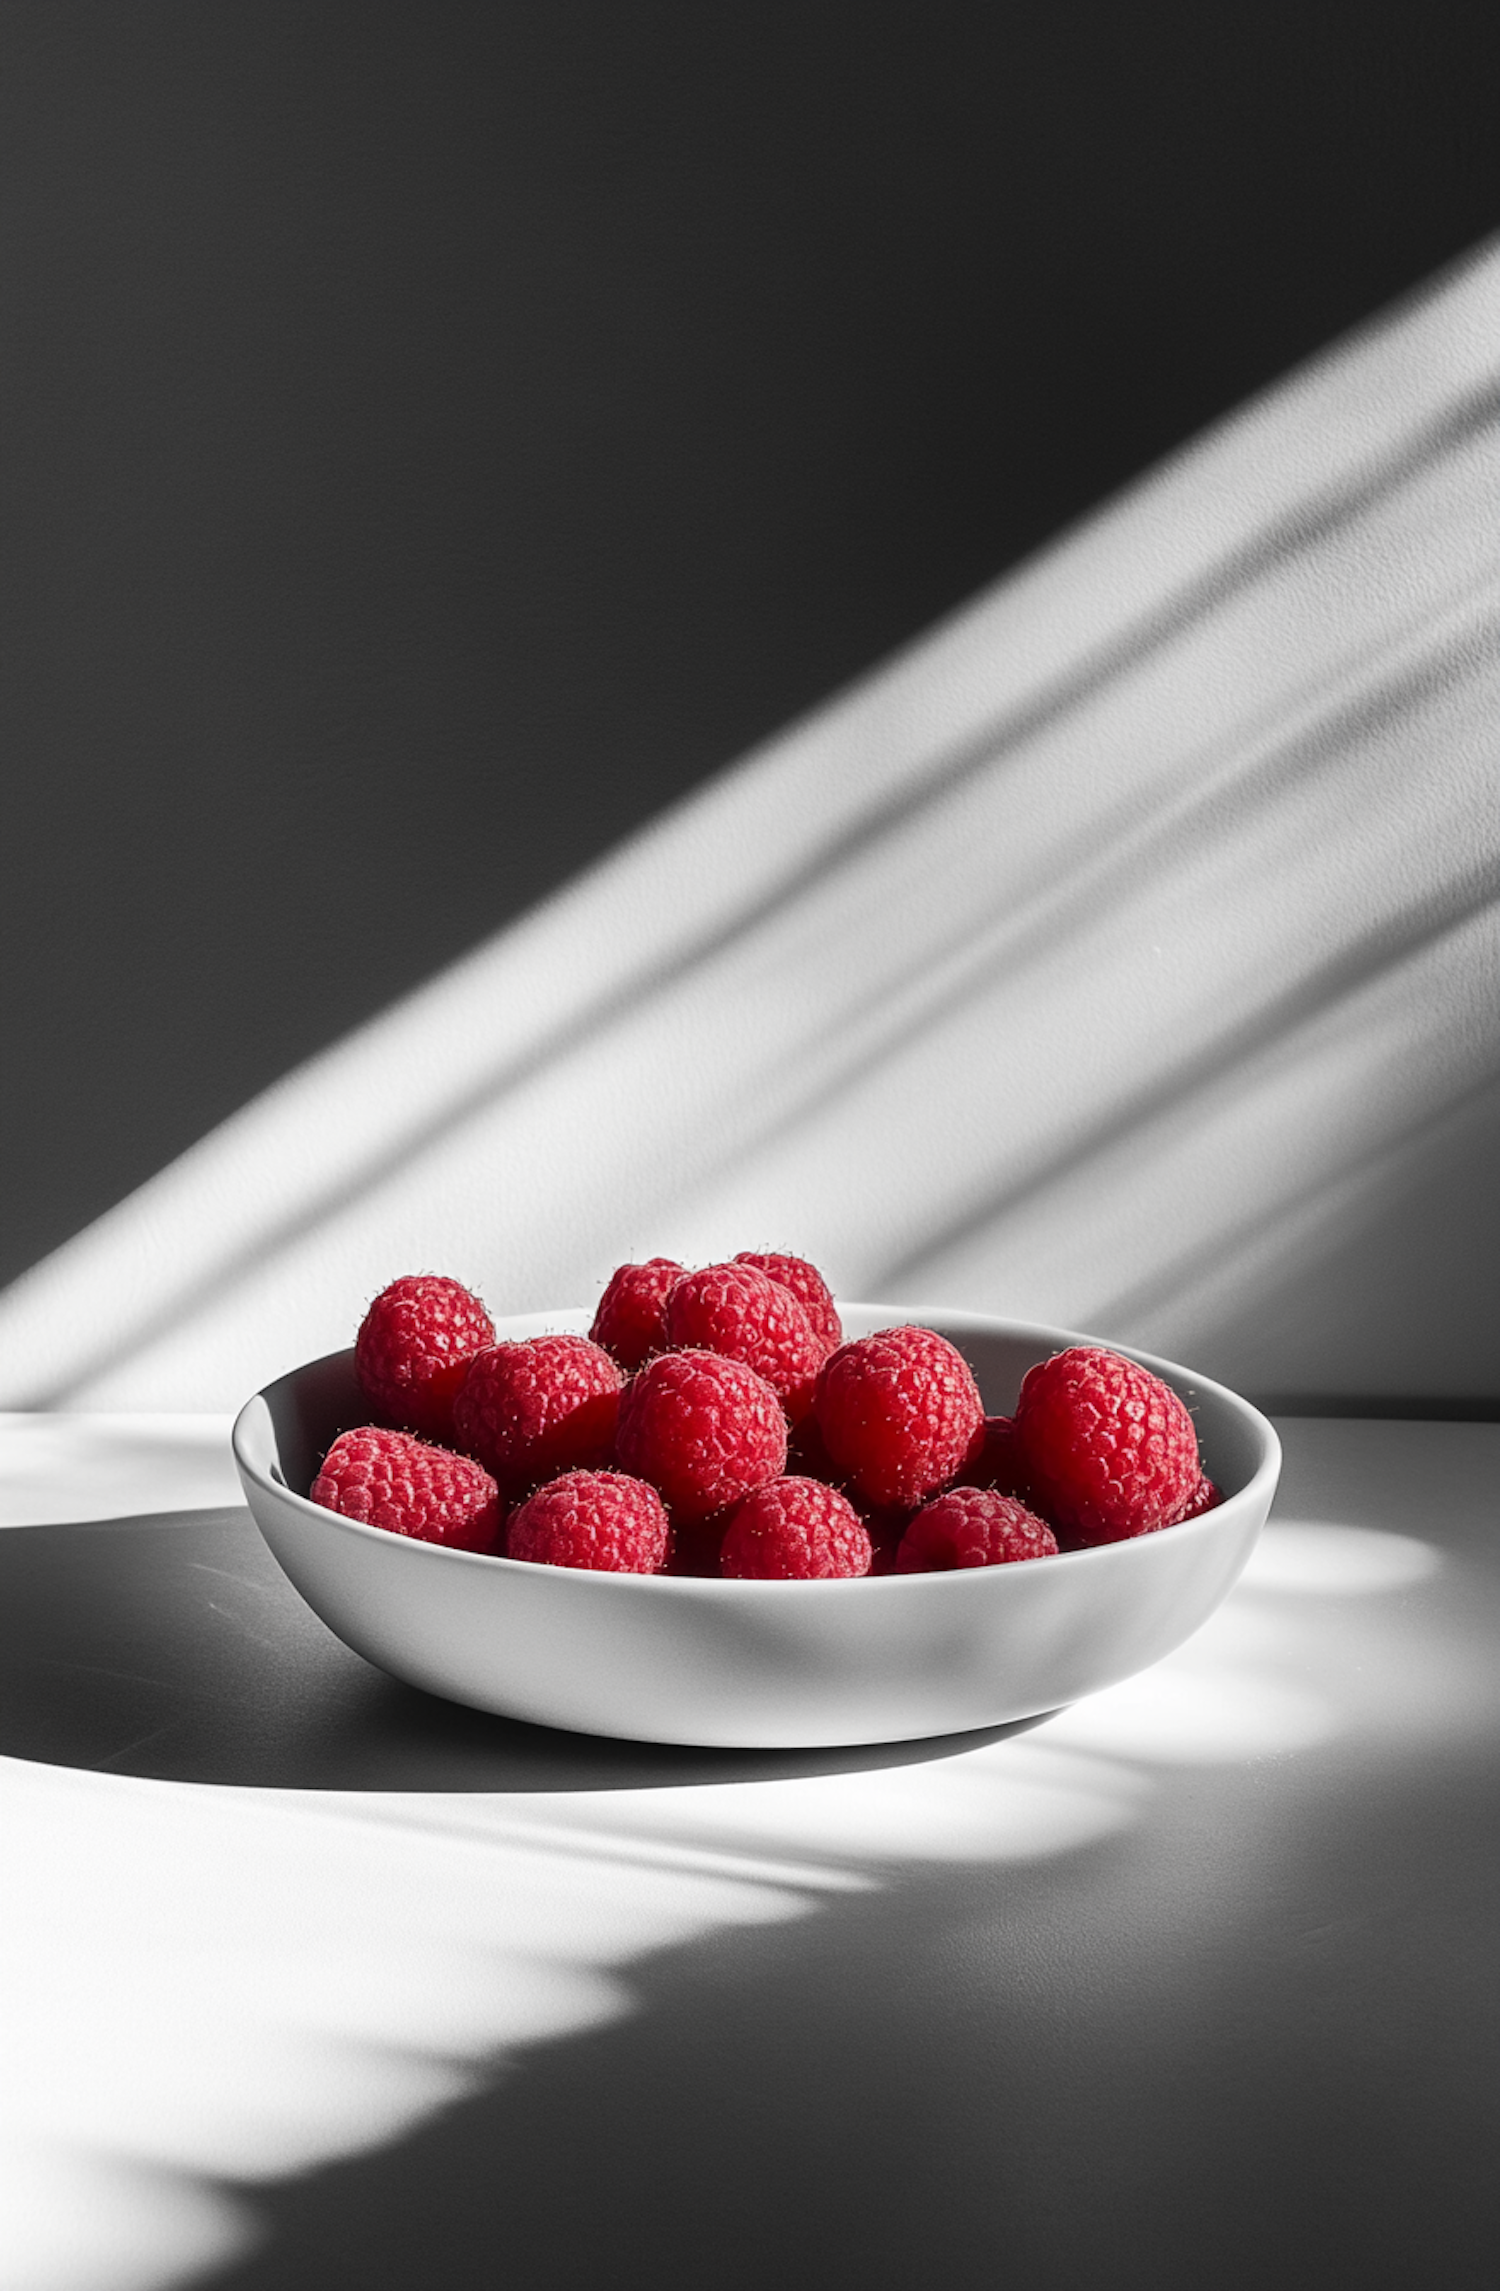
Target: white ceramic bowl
(758, 1665)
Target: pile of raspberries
(714, 1422)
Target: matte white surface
(1194, 1982)
(665, 1659)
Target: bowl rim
(962, 1319)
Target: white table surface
(311, 1981)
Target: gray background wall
(434, 438)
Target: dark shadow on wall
(435, 440)
(1397, 1265)
(1104, 863)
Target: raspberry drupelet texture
(972, 1527)
(807, 1286)
(898, 1412)
(742, 1313)
(391, 1480)
(603, 1520)
(794, 1529)
(547, 1404)
(1205, 1497)
(702, 1429)
(631, 1319)
(413, 1350)
(1109, 1450)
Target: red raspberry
(631, 1320)
(545, 1405)
(702, 1429)
(794, 1528)
(390, 1480)
(413, 1350)
(898, 1411)
(994, 1459)
(592, 1519)
(1109, 1450)
(1205, 1497)
(807, 1286)
(972, 1527)
(741, 1312)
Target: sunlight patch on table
(69, 1467)
(1170, 1716)
(365, 1961)
(1325, 1561)
(215, 1985)
(1006, 1801)
(77, 2220)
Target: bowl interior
(307, 1411)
